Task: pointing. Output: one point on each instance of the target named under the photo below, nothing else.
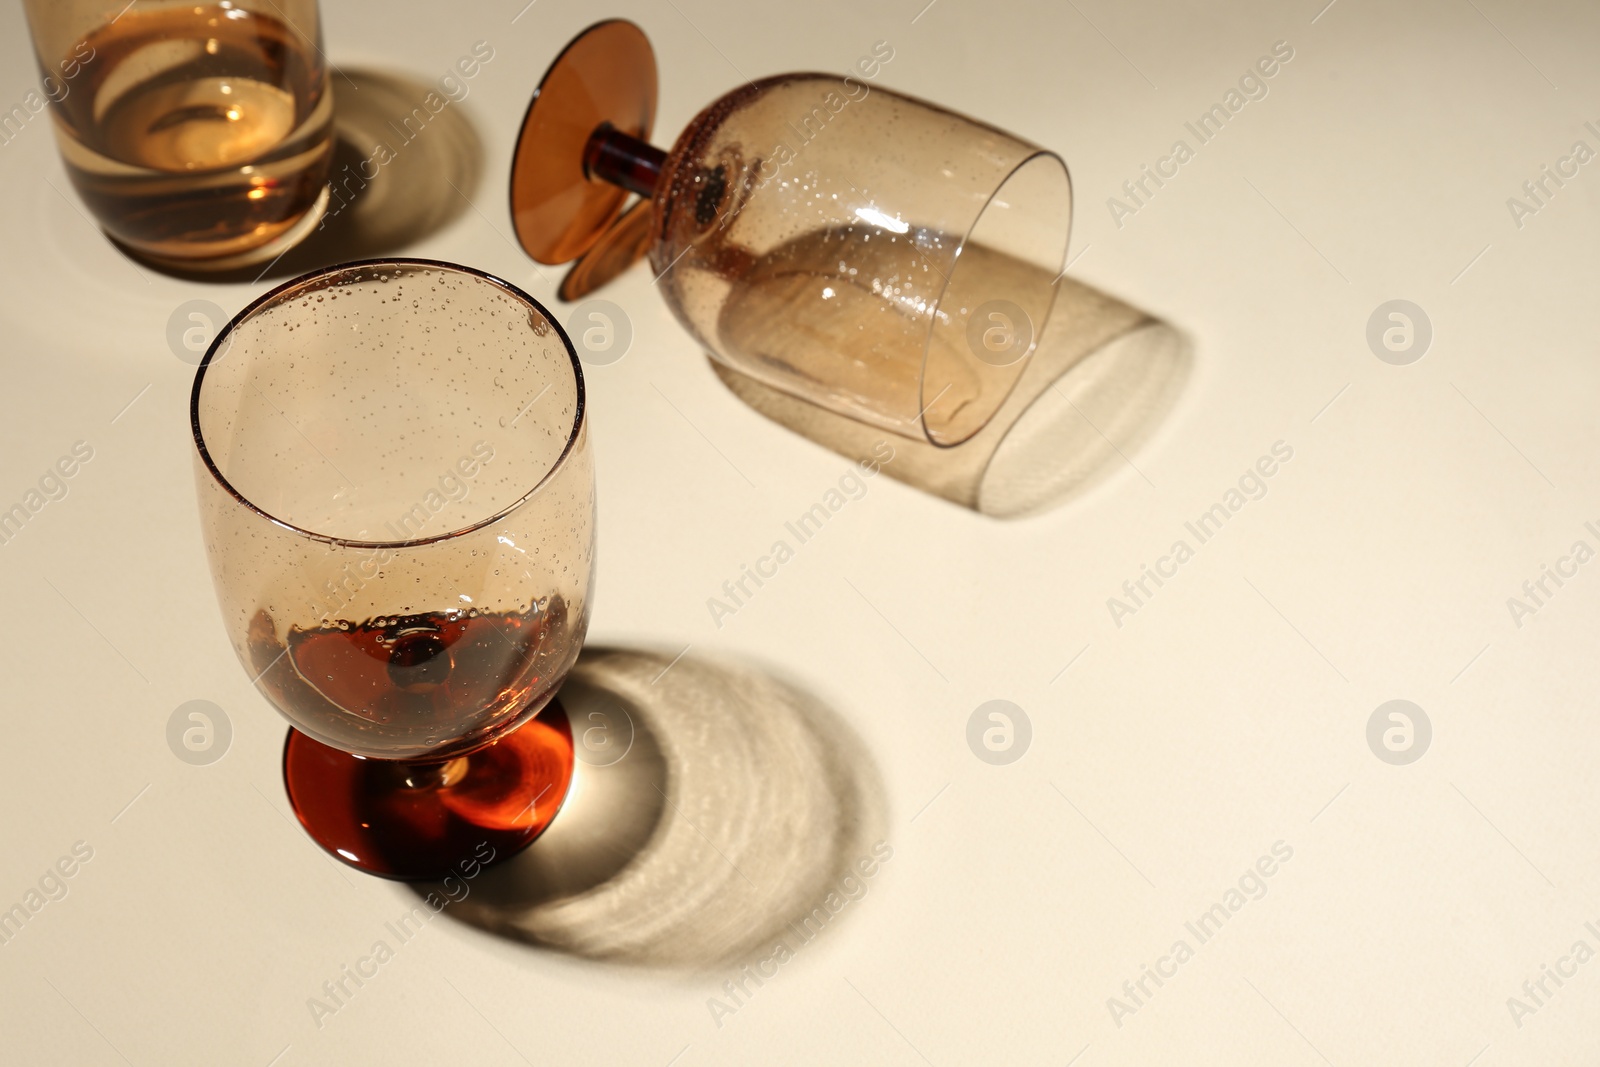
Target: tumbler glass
(199, 135)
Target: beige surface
(1227, 714)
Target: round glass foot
(250, 257)
(419, 820)
(606, 77)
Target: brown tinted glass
(877, 255)
(198, 135)
(606, 76)
(398, 502)
(618, 248)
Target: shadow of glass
(400, 173)
(1103, 376)
(713, 806)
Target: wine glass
(397, 498)
(874, 254)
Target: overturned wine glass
(873, 254)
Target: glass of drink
(873, 254)
(198, 135)
(397, 499)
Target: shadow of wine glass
(713, 805)
(1102, 377)
(400, 172)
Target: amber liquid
(416, 686)
(198, 133)
(450, 691)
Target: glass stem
(615, 157)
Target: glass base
(423, 820)
(606, 76)
(250, 257)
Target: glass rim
(1033, 156)
(275, 295)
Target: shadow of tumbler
(1102, 377)
(712, 806)
(400, 171)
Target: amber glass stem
(615, 157)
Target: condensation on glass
(396, 441)
(397, 499)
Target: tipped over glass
(870, 253)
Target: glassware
(876, 255)
(397, 498)
(199, 136)
(1103, 377)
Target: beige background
(1227, 715)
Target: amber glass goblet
(873, 254)
(397, 498)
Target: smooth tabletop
(1197, 743)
